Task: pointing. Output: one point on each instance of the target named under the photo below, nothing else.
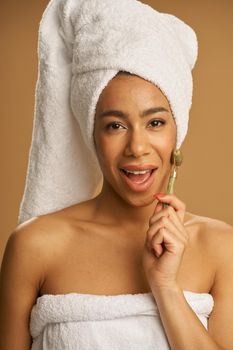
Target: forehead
(131, 90)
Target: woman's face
(134, 126)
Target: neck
(112, 209)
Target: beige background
(205, 180)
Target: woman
(151, 274)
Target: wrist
(166, 291)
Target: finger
(175, 219)
(169, 212)
(175, 202)
(165, 240)
(172, 200)
(165, 222)
(156, 244)
(158, 207)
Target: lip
(135, 167)
(138, 187)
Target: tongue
(139, 178)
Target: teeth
(138, 172)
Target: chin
(138, 201)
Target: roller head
(177, 157)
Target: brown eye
(113, 126)
(155, 122)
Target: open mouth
(138, 178)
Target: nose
(138, 143)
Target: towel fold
(86, 321)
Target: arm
(183, 328)
(21, 276)
(221, 319)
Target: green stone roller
(176, 159)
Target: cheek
(169, 136)
(105, 149)
(164, 144)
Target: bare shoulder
(41, 234)
(34, 239)
(23, 271)
(39, 238)
(46, 234)
(211, 229)
(27, 248)
(214, 235)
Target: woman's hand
(165, 243)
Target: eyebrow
(120, 114)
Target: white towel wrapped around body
(105, 322)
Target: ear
(187, 38)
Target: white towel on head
(82, 46)
(96, 322)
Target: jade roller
(176, 159)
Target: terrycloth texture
(82, 46)
(97, 322)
